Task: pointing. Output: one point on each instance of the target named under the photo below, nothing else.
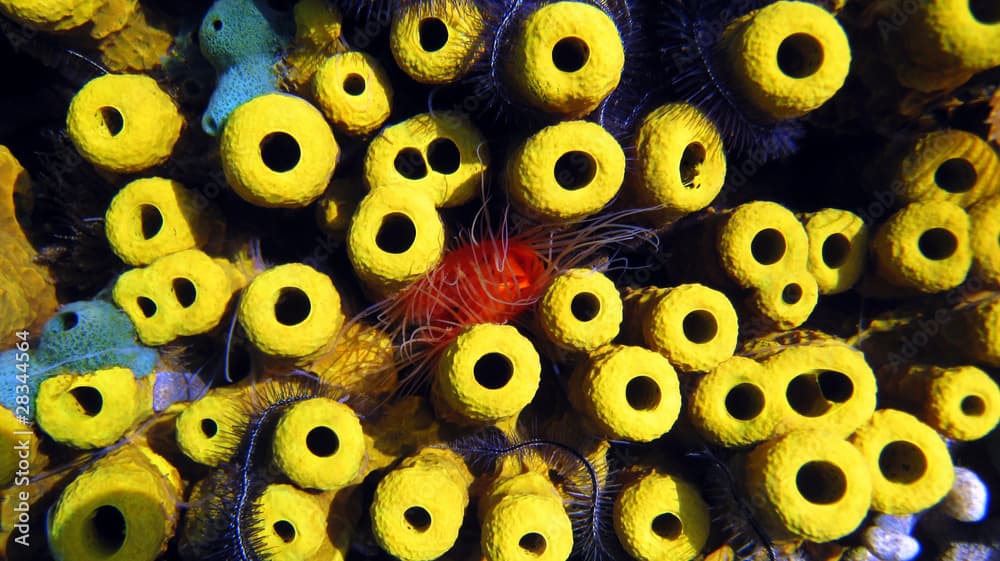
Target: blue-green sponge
(82, 337)
(243, 39)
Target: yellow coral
(567, 57)
(27, 293)
(627, 392)
(354, 92)
(581, 310)
(418, 507)
(838, 247)
(985, 240)
(681, 164)
(141, 46)
(393, 240)
(692, 325)
(787, 58)
(738, 403)
(440, 154)
(93, 410)
(153, 217)
(184, 293)
(123, 123)
(13, 436)
(318, 28)
(291, 311)
(209, 430)
(910, 466)
(788, 300)
(566, 171)
(523, 519)
(290, 524)
(661, 518)
(924, 246)
(948, 165)
(436, 43)
(961, 402)
(488, 373)
(829, 387)
(123, 508)
(318, 444)
(51, 15)
(810, 485)
(278, 151)
(942, 43)
(759, 239)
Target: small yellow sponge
(124, 123)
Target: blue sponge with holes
(90, 335)
(81, 337)
(243, 41)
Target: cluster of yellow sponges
(814, 431)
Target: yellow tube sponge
(184, 293)
(581, 310)
(628, 393)
(829, 387)
(566, 58)
(978, 336)
(787, 58)
(437, 43)
(948, 165)
(809, 485)
(394, 240)
(123, 123)
(942, 43)
(209, 429)
(960, 402)
(568, 170)
(738, 403)
(318, 444)
(694, 326)
(788, 300)
(488, 373)
(354, 92)
(910, 466)
(92, 410)
(123, 508)
(523, 519)
(660, 517)
(291, 311)
(155, 216)
(290, 524)
(924, 246)
(985, 240)
(419, 506)
(440, 154)
(838, 248)
(681, 164)
(51, 15)
(278, 151)
(758, 239)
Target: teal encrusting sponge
(243, 40)
(82, 337)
